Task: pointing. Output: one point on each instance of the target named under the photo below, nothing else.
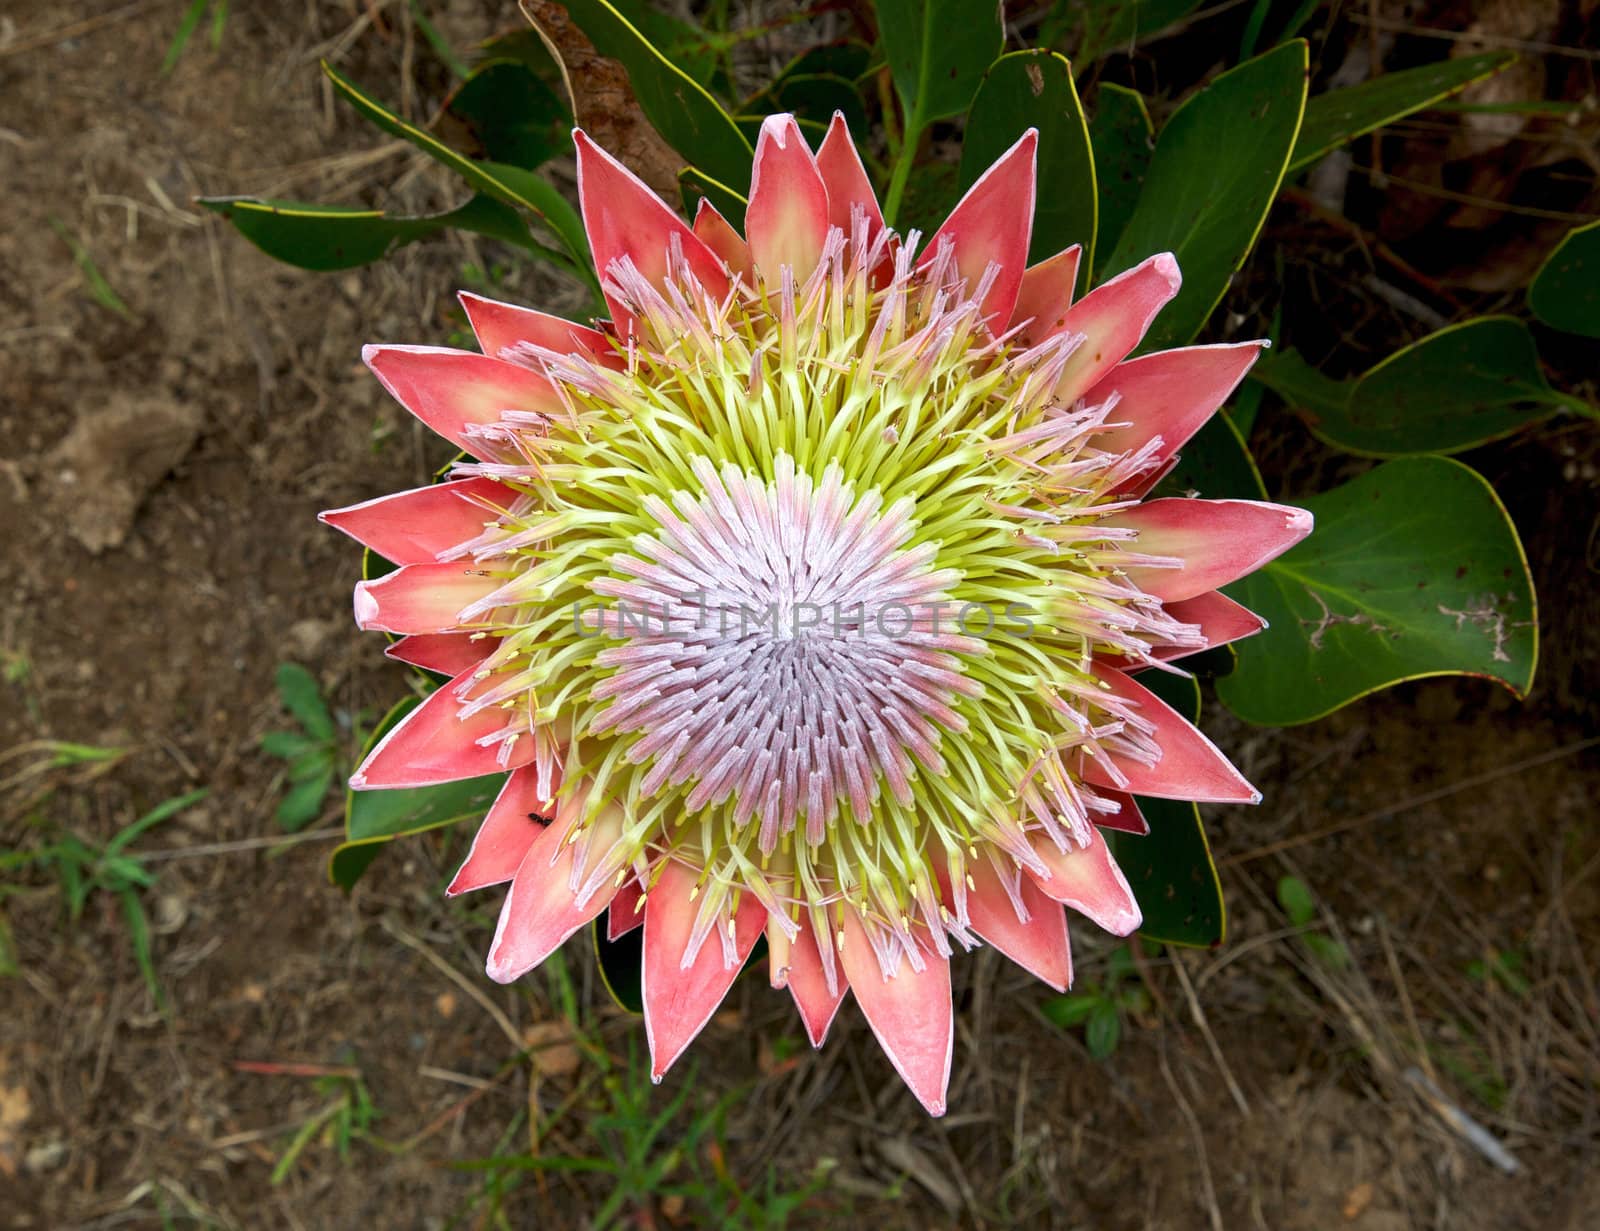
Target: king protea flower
(806, 595)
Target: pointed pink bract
(1190, 767)
(1040, 945)
(992, 225)
(506, 835)
(846, 180)
(1089, 881)
(626, 911)
(1169, 394)
(787, 219)
(1126, 819)
(1218, 541)
(452, 390)
(718, 234)
(500, 327)
(1220, 619)
(541, 910)
(625, 219)
(679, 1002)
(1045, 295)
(1112, 319)
(420, 598)
(414, 527)
(808, 984)
(445, 653)
(911, 1013)
(431, 745)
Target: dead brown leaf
(602, 100)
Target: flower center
(783, 647)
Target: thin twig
(77, 28)
(1199, 1015)
(1199, 1140)
(456, 977)
(243, 844)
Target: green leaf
(513, 185)
(384, 814)
(679, 107)
(848, 59)
(288, 744)
(311, 763)
(302, 697)
(1172, 875)
(1340, 116)
(1071, 1010)
(1413, 570)
(1035, 89)
(1566, 291)
(1102, 27)
(303, 803)
(327, 237)
(1452, 390)
(164, 811)
(938, 50)
(812, 98)
(186, 29)
(139, 933)
(1294, 895)
(1103, 1030)
(505, 112)
(686, 45)
(621, 963)
(694, 184)
(1122, 137)
(1327, 950)
(1215, 171)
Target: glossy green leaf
(848, 59)
(694, 183)
(1566, 292)
(1452, 390)
(938, 51)
(685, 44)
(1340, 116)
(513, 185)
(680, 108)
(1172, 875)
(621, 964)
(506, 113)
(327, 237)
(373, 818)
(1123, 139)
(812, 98)
(1413, 570)
(1095, 28)
(1216, 169)
(1034, 89)
(1072, 1009)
